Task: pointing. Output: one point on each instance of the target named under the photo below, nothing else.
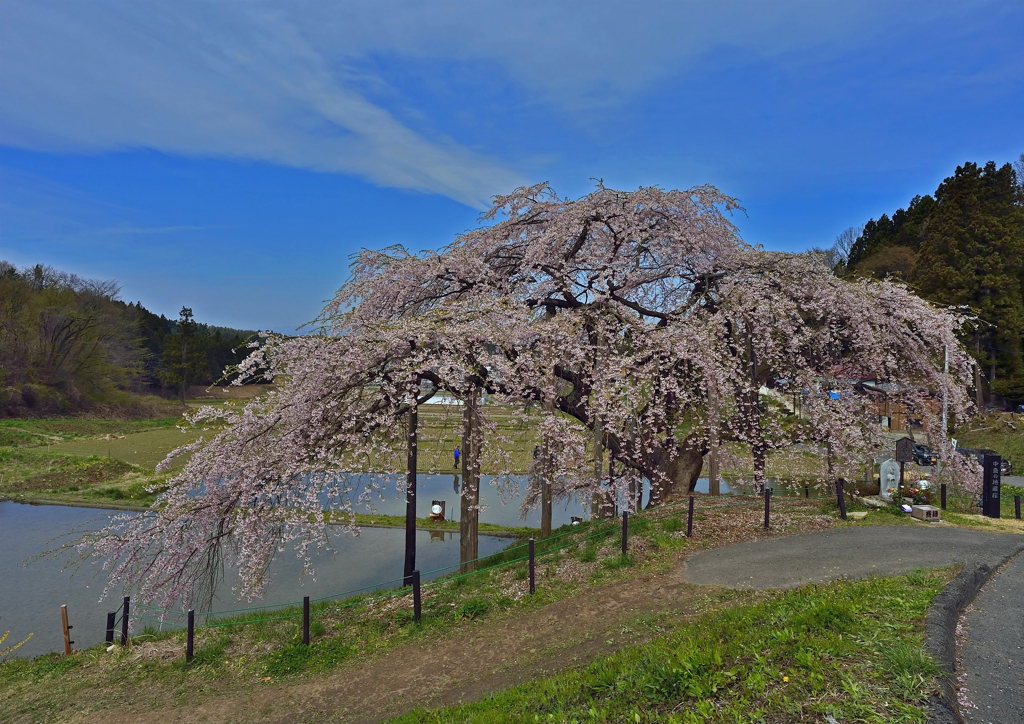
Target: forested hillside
(69, 344)
(964, 247)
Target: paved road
(993, 650)
(843, 552)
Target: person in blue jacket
(456, 456)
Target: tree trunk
(410, 497)
(469, 521)
(676, 475)
(713, 486)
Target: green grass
(54, 430)
(1002, 433)
(850, 650)
(268, 642)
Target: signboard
(904, 450)
(991, 484)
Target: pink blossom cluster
(605, 324)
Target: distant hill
(69, 344)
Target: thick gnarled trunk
(676, 476)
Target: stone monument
(888, 477)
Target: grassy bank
(577, 564)
(853, 651)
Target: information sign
(904, 450)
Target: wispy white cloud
(288, 82)
(228, 80)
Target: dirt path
(490, 656)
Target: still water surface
(31, 595)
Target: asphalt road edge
(940, 629)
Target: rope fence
(536, 549)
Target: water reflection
(31, 596)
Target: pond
(31, 595)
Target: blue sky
(230, 156)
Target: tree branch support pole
(410, 495)
(549, 455)
(714, 488)
(469, 522)
(767, 506)
(831, 463)
(689, 520)
(942, 494)
(945, 396)
(597, 498)
(841, 498)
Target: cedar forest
(70, 345)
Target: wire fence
(528, 552)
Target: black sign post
(990, 486)
(904, 454)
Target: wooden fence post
(124, 620)
(533, 584)
(190, 637)
(67, 629)
(110, 627)
(417, 607)
(625, 530)
(305, 620)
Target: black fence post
(942, 492)
(110, 627)
(842, 499)
(533, 581)
(124, 620)
(807, 491)
(625, 530)
(689, 520)
(305, 620)
(1016, 505)
(417, 608)
(190, 637)
(767, 506)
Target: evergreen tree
(184, 359)
(972, 254)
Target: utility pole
(945, 401)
